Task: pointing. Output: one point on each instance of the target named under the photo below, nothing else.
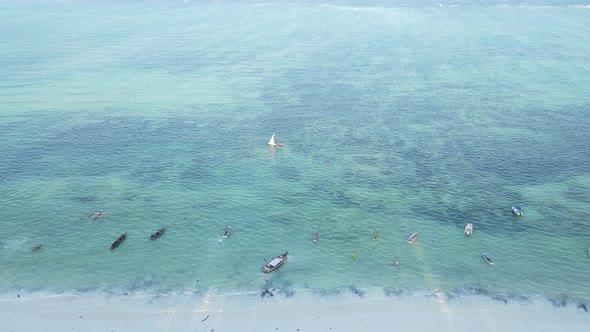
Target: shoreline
(304, 311)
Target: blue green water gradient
(394, 119)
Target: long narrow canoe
(157, 233)
(119, 240)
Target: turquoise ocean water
(395, 117)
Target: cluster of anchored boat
(270, 266)
(469, 230)
(279, 260)
(123, 236)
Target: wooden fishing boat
(487, 259)
(412, 237)
(157, 233)
(227, 232)
(275, 263)
(119, 240)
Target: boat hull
(469, 229)
(157, 234)
(517, 210)
(275, 263)
(487, 259)
(412, 238)
(119, 240)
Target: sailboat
(274, 144)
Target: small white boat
(275, 263)
(469, 229)
(517, 210)
(227, 231)
(316, 236)
(274, 144)
(487, 259)
(412, 237)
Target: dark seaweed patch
(286, 292)
(559, 302)
(356, 291)
(328, 292)
(499, 299)
(266, 293)
(392, 292)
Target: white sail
(272, 140)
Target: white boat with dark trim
(412, 237)
(469, 229)
(227, 231)
(487, 259)
(517, 210)
(275, 263)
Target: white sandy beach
(297, 313)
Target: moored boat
(316, 236)
(412, 237)
(157, 233)
(96, 215)
(517, 210)
(469, 229)
(119, 240)
(274, 144)
(227, 232)
(487, 259)
(275, 263)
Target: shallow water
(395, 119)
